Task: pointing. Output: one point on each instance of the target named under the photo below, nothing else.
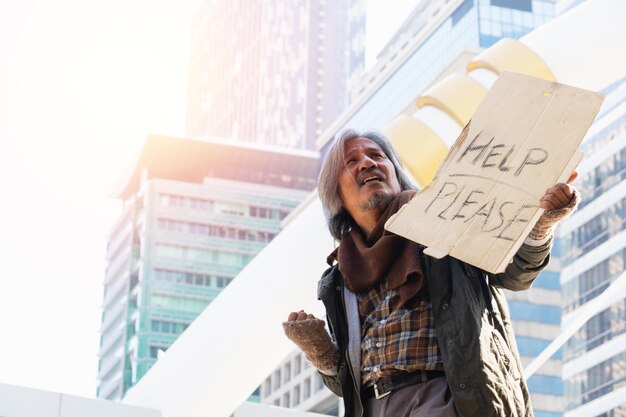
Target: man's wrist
(537, 242)
(328, 372)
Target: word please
(496, 215)
(487, 154)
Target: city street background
(82, 83)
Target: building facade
(436, 38)
(593, 255)
(296, 384)
(273, 72)
(195, 213)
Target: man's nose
(366, 163)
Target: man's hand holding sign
(491, 189)
(558, 202)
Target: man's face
(368, 180)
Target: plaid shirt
(395, 338)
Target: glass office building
(195, 213)
(593, 256)
(274, 72)
(433, 38)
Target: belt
(386, 385)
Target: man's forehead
(358, 143)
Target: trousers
(427, 399)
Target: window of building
(165, 327)
(231, 208)
(154, 350)
(286, 400)
(180, 277)
(461, 11)
(179, 303)
(169, 200)
(525, 5)
(276, 379)
(296, 364)
(602, 178)
(596, 231)
(214, 230)
(267, 387)
(596, 381)
(170, 251)
(200, 204)
(287, 373)
(306, 393)
(168, 326)
(222, 282)
(319, 382)
(229, 258)
(296, 395)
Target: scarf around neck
(364, 261)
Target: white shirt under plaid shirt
(396, 338)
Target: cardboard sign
(484, 199)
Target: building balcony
(118, 242)
(113, 388)
(122, 221)
(113, 339)
(115, 291)
(108, 366)
(112, 314)
(117, 266)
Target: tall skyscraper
(195, 212)
(593, 256)
(274, 72)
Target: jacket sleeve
(525, 266)
(332, 383)
(326, 293)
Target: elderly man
(412, 335)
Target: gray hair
(339, 220)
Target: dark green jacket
(473, 329)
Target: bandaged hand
(309, 334)
(559, 202)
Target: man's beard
(378, 202)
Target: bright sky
(82, 83)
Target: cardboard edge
(435, 253)
(571, 165)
